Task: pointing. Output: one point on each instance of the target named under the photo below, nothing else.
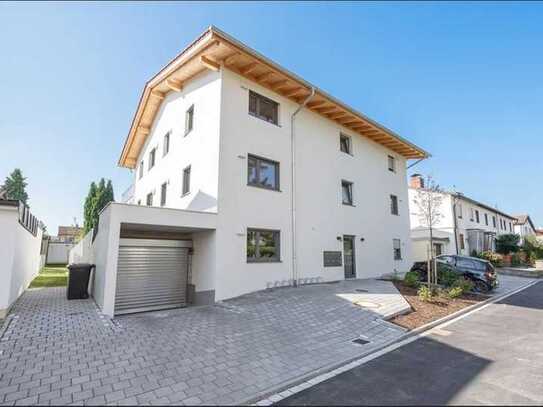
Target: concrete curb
(290, 387)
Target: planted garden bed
(428, 311)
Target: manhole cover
(367, 304)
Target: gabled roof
(215, 50)
(482, 205)
(522, 219)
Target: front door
(348, 257)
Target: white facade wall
(83, 251)
(57, 253)
(524, 231)
(199, 149)
(19, 257)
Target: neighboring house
(247, 177)
(539, 234)
(3, 193)
(68, 234)
(58, 247)
(466, 225)
(524, 227)
(20, 245)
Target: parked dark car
(480, 272)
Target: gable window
(347, 192)
(476, 216)
(345, 143)
(486, 219)
(263, 245)
(263, 108)
(166, 146)
(186, 180)
(462, 244)
(141, 169)
(391, 164)
(396, 244)
(394, 205)
(152, 157)
(189, 120)
(262, 173)
(459, 207)
(163, 190)
(150, 199)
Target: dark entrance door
(348, 257)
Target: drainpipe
(293, 183)
(455, 202)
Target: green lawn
(51, 276)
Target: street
(493, 356)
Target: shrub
(426, 294)
(463, 284)
(516, 259)
(495, 258)
(446, 277)
(455, 292)
(411, 279)
(507, 243)
(474, 253)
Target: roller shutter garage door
(151, 275)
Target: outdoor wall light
(362, 239)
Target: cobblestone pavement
(54, 351)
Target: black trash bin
(78, 281)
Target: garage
(151, 275)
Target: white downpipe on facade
(293, 183)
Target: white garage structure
(150, 258)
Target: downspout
(455, 200)
(293, 183)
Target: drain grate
(360, 341)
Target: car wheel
(481, 286)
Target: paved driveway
(493, 356)
(56, 351)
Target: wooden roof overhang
(215, 50)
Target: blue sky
(462, 80)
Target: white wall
(19, 257)
(57, 253)
(83, 251)
(199, 148)
(321, 217)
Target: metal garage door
(151, 275)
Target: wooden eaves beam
(248, 68)
(174, 85)
(209, 64)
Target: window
(141, 169)
(459, 206)
(263, 108)
(494, 221)
(471, 214)
(476, 215)
(438, 249)
(345, 143)
(263, 245)
(461, 239)
(163, 190)
(262, 173)
(166, 146)
(391, 164)
(347, 192)
(139, 201)
(396, 244)
(394, 205)
(150, 199)
(511, 228)
(152, 156)
(486, 219)
(186, 180)
(189, 120)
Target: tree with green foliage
(508, 243)
(15, 186)
(99, 196)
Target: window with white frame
(163, 190)
(459, 209)
(141, 169)
(166, 145)
(152, 158)
(397, 246)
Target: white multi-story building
(463, 227)
(252, 178)
(524, 227)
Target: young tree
(87, 208)
(15, 185)
(508, 243)
(99, 196)
(428, 202)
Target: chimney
(416, 181)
